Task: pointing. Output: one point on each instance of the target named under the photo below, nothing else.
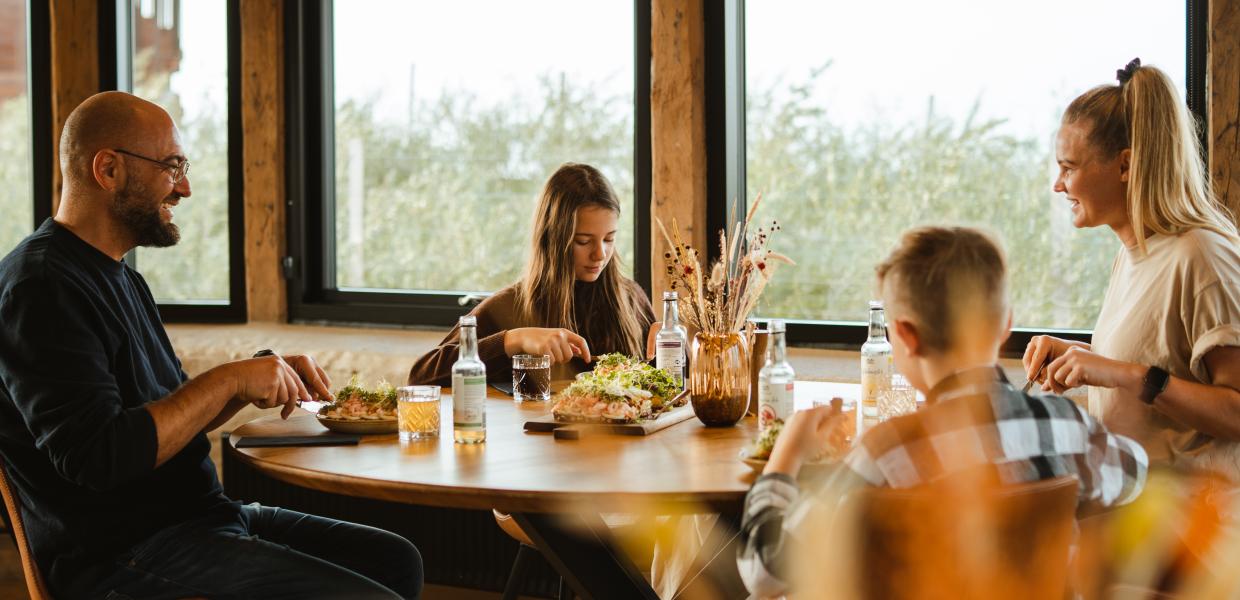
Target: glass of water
(531, 377)
(417, 412)
(899, 398)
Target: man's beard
(132, 207)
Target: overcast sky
(1024, 60)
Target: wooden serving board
(564, 430)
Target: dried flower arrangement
(721, 303)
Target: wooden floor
(12, 582)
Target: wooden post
(262, 120)
(75, 69)
(1223, 95)
(678, 128)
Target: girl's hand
(561, 344)
(1079, 366)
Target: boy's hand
(804, 436)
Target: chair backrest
(966, 538)
(12, 505)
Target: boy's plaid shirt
(971, 419)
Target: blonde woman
(1164, 365)
(572, 303)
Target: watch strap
(1154, 383)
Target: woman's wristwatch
(1154, 383)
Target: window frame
(725, 159)
(309, 267)
(39, 92)
(116, 73)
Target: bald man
(103, 434)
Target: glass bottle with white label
(469, 388)
(671, 341)
(875, 362)
(775, 380)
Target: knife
(311, 406)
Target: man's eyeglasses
(179, 170)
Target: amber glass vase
(719, 378)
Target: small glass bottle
(469, 388)
(775, 380)
(671, 341)
(875, 362)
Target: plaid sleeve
(762, 555)
(1117, 465)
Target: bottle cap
(876, 305)
(670, 295)
(775, 326)
(469, 321)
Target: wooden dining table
(556, 489)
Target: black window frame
(725, 159)
(39, 92)
(310, 188)
(116, 73)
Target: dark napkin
(331, 439)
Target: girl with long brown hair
(1164, 363)
(571, 303)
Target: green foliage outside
(447, 203)
(15, 175)
(196, 269)
(844, 195)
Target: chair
(525, 552)
(12, 505)
(966, 538)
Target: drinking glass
(531, 377)
(898, 399)
(417, 412)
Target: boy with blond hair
(945, 291)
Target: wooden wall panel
(262, 119)
(1223, 92)
(678, 127)
(75, 69)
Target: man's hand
(1078, 366)
(803, 437)
(561, 344)
(267, 382)
(315, 379)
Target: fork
(1034, 379)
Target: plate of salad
(620, 389)
(361, 410)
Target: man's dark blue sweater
(82, 351)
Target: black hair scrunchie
(1126, 73)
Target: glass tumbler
(531, 377)
(417, 412)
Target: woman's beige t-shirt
(1169, 308)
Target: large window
(15, 169)
(865, 119)
(441, 122)
(178, 56)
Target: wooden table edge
(487, 498)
